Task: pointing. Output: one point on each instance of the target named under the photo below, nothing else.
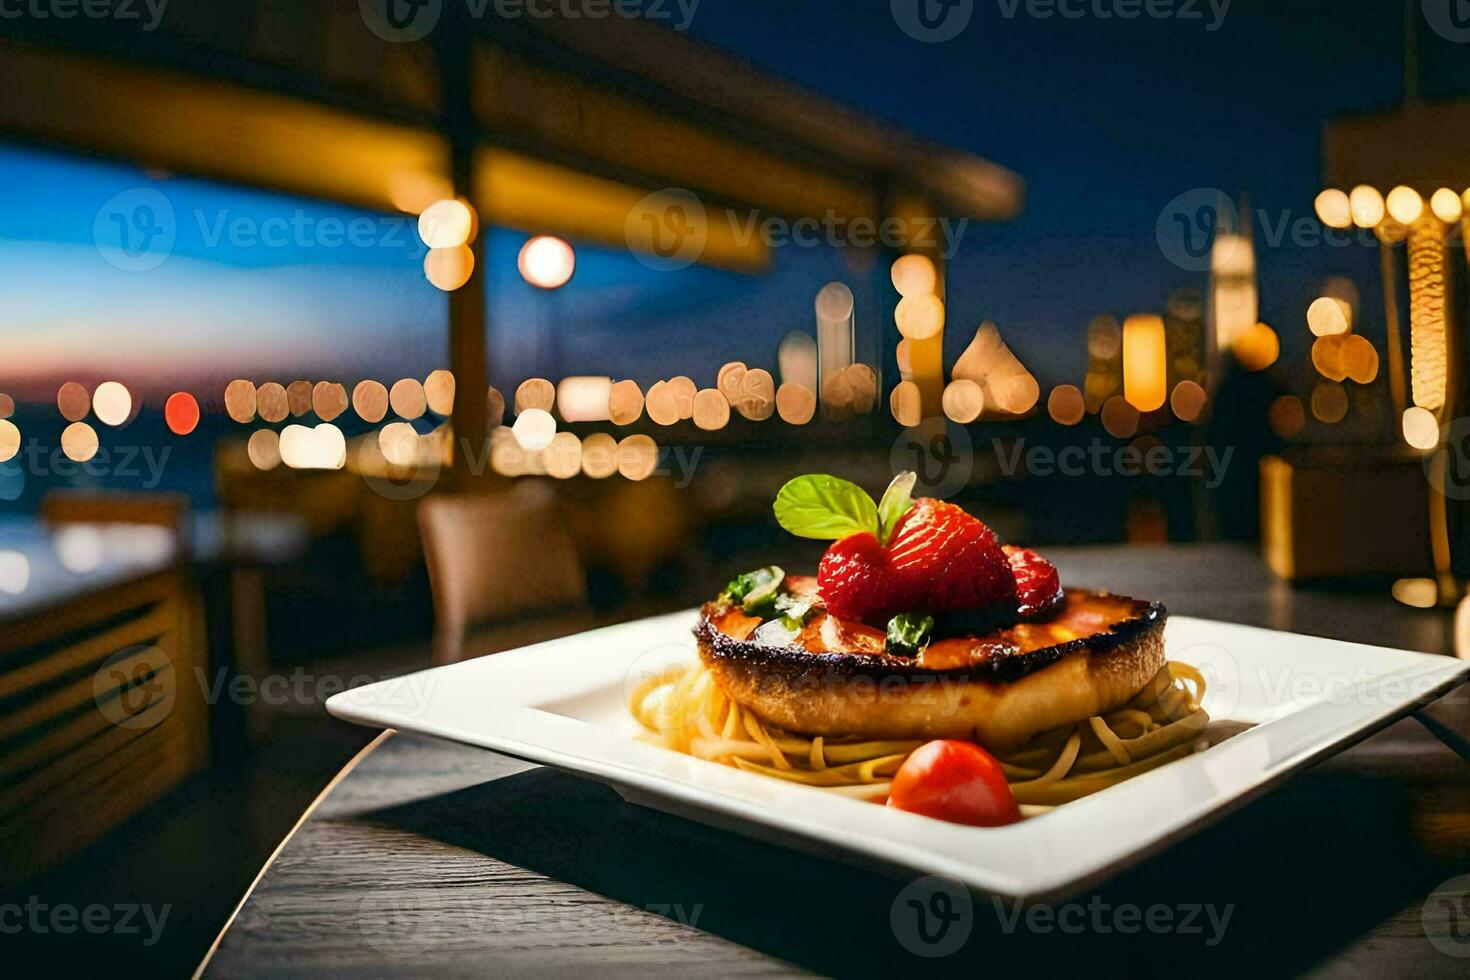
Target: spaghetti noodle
(684, 709)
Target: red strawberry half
(939, 559)
(1038, 588)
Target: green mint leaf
(908, 633)
(897, 500)
(825, 508)
(756, 591)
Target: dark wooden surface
(432, 859)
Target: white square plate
(563, 704)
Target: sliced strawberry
(948, 559)
(1038, 587)
(939, 559)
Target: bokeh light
(399, 443)
(1257, 348)
(637, 457)
(914, 275)
(1119, 417)
(919, 316)
(1421, 429)
(1145, 371)
(1446, 205)
(1187, 400)
(79, 442)
(834, 302)
(1333, 209)
(1065, 405)
(1287, 416)
(1329, 402)
(73, 401)
(328, 400)
(407, 398)
(449, 268)
(599, 456)
(9, 440)
(181, 413)
(15, 572)
(1327, 316)
(240, 401)
(534, 429)
(112, 403)
(264, 449)
(7, 406)
(446, 224)
(1366, 205)
(547, 262)
(439, 391)
(1405, 204)
(370, 401)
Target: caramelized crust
(1090, 657)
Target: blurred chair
(503, 569)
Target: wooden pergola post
(468, 318)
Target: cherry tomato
(955, 781)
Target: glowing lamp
(1446, 205)
(547, 262)
(914, 275)
(181, 413)
(1366, 205)
(449, 268)
(1327, 316)
(1333, 209)
(921, 316)
(1421, 430)
(1144, 370)
(446, 224)
(1405, 204)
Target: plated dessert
(925, 666)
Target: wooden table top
(425, 858)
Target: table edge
(306, 815)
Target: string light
(534, 429)
(1446, 205)
(241, 401)
(547, 262)
(181, 413)
(73, 401)
(1427, 300)
(449, 268)
(1405, 204)
(914, 275)
(264, 449)
(446, 224)
(1421, 430)
(1366, 205)
(1333, 209)
(920, 316)
(112, 403)
(79, 442)
(9, 440)
(1065, 405)
(1257, 348)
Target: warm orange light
(1257, 348)
(264, 449)
(534, 429)
(1405, 204)
(1333, 209)
(181, 413)
(241, 400)
(1446, 205)
(79, 442)
(1066, 405)
(439, 391)
(1287, 416)
(73, 401)
(1366, 205)
(920, 316)
(1327, 316)
(834, 302)
(446, 224)
(1145, 379)
(1421, 430)
(1187, 400)
(1329, 402)
(399, 443)
(407, 398)
(449, 268)
(914, 275)
(1119, 418)
(9, 440)
(547, 262)
(370, 401)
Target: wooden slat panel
(82, 691)
(66, 824)
(88, 649)
(61, 620)
(107, 747)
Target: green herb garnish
(757, 591)
(908, 633)
(829, 509)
